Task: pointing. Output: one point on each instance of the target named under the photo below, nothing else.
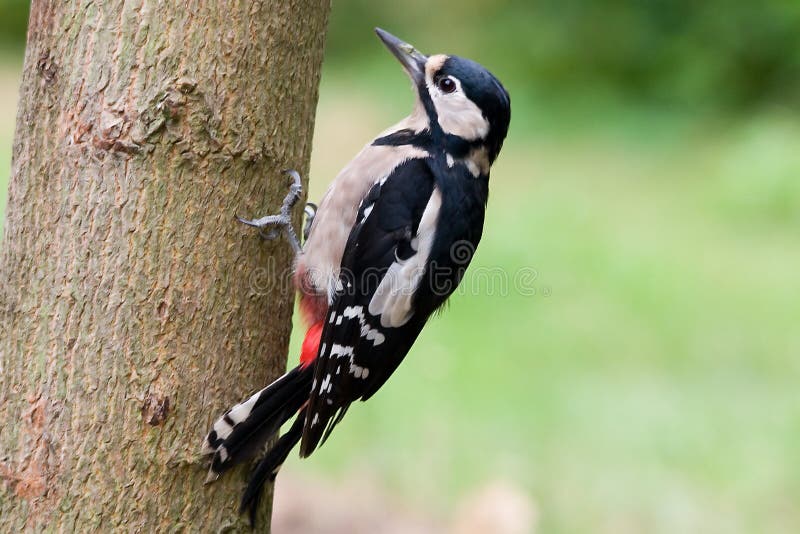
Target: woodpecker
(387, 246)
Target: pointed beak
(413, 60)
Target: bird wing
(372, 322)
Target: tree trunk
(133, 307)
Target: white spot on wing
(340, 351)
(326, 384)
(372, 334)
(353, 311)
(367, 332)
(358, 371)
(367, 212)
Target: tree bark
(134, 309)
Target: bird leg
(270, 225)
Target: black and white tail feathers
(268, 466)
(244, 429)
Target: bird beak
(412, 59)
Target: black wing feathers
(352, 339)
(357, 354)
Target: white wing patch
(392, 299)
(326, 385)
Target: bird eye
(446, 84)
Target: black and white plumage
(398, 268)
(389, 243)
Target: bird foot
(270, 226)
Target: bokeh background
(643, 374)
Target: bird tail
(244, 429)
(268, 467)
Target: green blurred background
(647, 379)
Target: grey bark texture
(133, 308)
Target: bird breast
(319, 264)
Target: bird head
(462, 101)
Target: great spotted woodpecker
(389, 243)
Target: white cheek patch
(393, 298)
(458, 115)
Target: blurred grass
(650, 383)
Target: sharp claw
(281, 221)
(248, 222)
(211, 477)
(270, 235)
(294, 175)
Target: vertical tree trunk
(133, 308)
